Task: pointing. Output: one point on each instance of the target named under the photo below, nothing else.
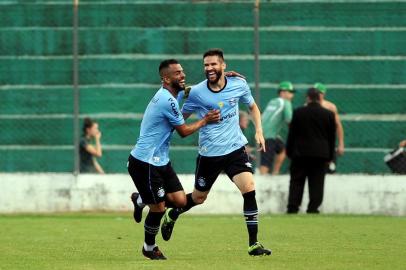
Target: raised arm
(95, 150)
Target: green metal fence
(357, 48)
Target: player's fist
(213, 116)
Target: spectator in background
(277, 113)
(90, 147)
(310, 146)
(332, 107)
(402, 143)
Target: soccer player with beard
(222, 146)
(148, 163)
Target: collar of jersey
(208, 87)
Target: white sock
(149, 247)
(139, 202)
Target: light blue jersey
(219, 139)
(157, 126)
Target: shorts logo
(160, 192)
(232, 101)
(201, 181)
(248, 164)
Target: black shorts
(209, 168)
(153, 182)
(273, 147)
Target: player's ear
(224, 65)
(165, 79)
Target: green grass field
(113, 241)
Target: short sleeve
(172, 112)
(246, 97)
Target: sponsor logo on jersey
(174, 108)
(228, 116)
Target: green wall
(357, 49)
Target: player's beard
(177, 86)
(219, 73)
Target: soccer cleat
(167, 226)
(258, 249)
(137, 209)
(155, 254)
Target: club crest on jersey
(221, 104)
(201, 181)
(160, 192)
(232, 101)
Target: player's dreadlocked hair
(165, 64)
(214, 52)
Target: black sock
(251, 216)
(151, 226)
(174, 214)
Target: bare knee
(177, 198)
(180, 202)
(160, 207)
(263, 170)
(250, 186)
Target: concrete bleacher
(357, 49)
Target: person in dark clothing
(310, 146)
(90, 147)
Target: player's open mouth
(211, 74)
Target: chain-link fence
(358, 49)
